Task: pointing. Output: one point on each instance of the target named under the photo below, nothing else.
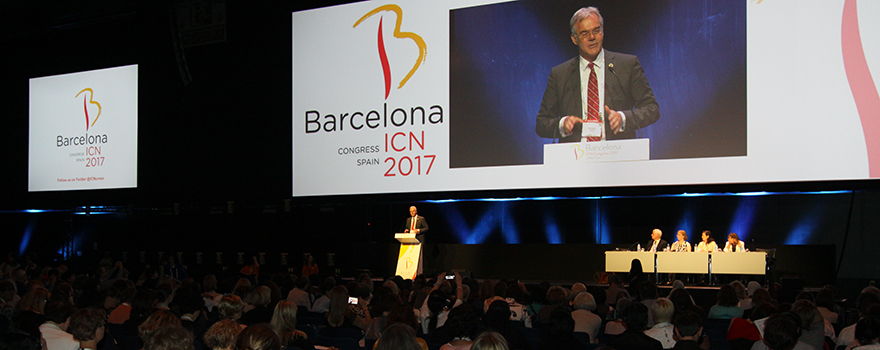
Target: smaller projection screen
(83, 130)
(418, 96)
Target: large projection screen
(83, 130)
(421, 96)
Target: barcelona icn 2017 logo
(92, 142)
(398, 117)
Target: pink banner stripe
(862, 84)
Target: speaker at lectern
(409, 259)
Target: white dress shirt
(57, 339)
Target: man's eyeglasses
(586, 34)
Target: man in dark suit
(657, 243)
(416, 224)
(619, 103)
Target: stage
(572, 263)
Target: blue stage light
(742, 220)
(804, 229)
(686, 223)
(508, 226)
(551, 230)
(26, 237)
(467, 235)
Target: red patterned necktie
(593, 100)
(413, 224)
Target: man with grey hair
(599, 95)
(585, 320)
(415, 223)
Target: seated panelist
(734, 244)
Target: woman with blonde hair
(681, 244)
(258, 337)
(284, 323)
(490, 341)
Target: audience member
(867, 334)
(87, 327)
(575, 289)
(436, 308)
(55, 330)
(726, 306)
(340, 314)
(602, 307)
(173, 269)
(490, 341)
(682, 302)
(300, 295)
(615, 286)
(827, 307)
(663, 330)
(160, 319)
(258, 337)
(13, 339)
(742, 295)
(688, 328)
(141, 308)
(616, 325)
(380, 309)
(309, 266)
(781, 332)
(398, 337)
(173, 338)
(555, 299)
(29, 309)
(560, 333)
(868, 303)
(191, 306)
(8, 298)
(260, 313)
(745, 330)
(636, 277)
(585, 321)
(498, 320)
(230, 307)
(812, 324)
(284, 323)
(462, 326)
(222, 335)
(636, 318)
(322, 303)
(648, 293)
(252, 270)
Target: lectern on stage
(409, 260)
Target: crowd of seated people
(168, 308)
